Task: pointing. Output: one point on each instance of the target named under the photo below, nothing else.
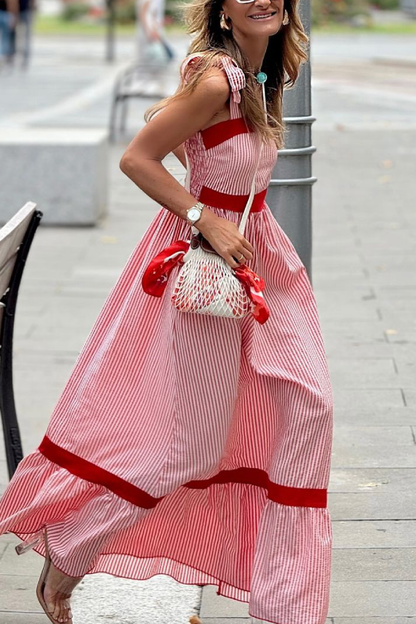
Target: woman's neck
(254, 50)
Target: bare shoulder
(214, 83)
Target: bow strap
(156, 275)
(254, 285)
(236, 77)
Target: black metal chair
(15, 240)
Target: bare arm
(180, 154)
(165, 133)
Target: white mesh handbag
(206, 283)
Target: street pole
(111, 20)
(290, 192)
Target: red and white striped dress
(191, 445)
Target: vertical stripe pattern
(159, 402)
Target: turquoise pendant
(261, 77)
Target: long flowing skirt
(193, 446)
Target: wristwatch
(194, 213)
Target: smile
(262, 17)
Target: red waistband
(236, 203)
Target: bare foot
(57, 591)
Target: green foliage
(387, 5)
(125, 12)
(338, 11)
(74, 11)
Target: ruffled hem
(225, 535)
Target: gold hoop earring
(223, 23)
(286, 19)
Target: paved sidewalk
(364, 277)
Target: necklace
(261, 77)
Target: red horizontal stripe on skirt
(298, 497)
(236, 203)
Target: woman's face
(242, 20)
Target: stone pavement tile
(374, 533)
(228, 620)
(369, 398)
(354, 332)
(373, 564)
(368, 447)
(28, 564)
(374, 620)
(404, 329)
(237, 620)
(370, 480)
(372, 599)
(362, 506)
(9, 538)
(69, 341)
(364, 373)
(409, 395)
(345, 311)
(401, 276)
(396, 310)
(18, 593)
(337, 272)
(13, 617)
(325, 281)
(356, 338)
(213, 605)
(406, 370)
(385, 416)
(2, 549)
(390, 293)
(361, 350)
(370, 435)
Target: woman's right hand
(225, 237)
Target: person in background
(8, 18)
(21, 36)
(151, 41)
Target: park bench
(16, 237)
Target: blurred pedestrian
(21, 37)
(152, 44)
(8, 18)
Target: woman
(186, 444)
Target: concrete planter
(63, 170)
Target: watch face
(193, 214)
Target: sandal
(59, 588)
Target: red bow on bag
(157, 273)
(254, 285)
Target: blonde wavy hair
(286, 51)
